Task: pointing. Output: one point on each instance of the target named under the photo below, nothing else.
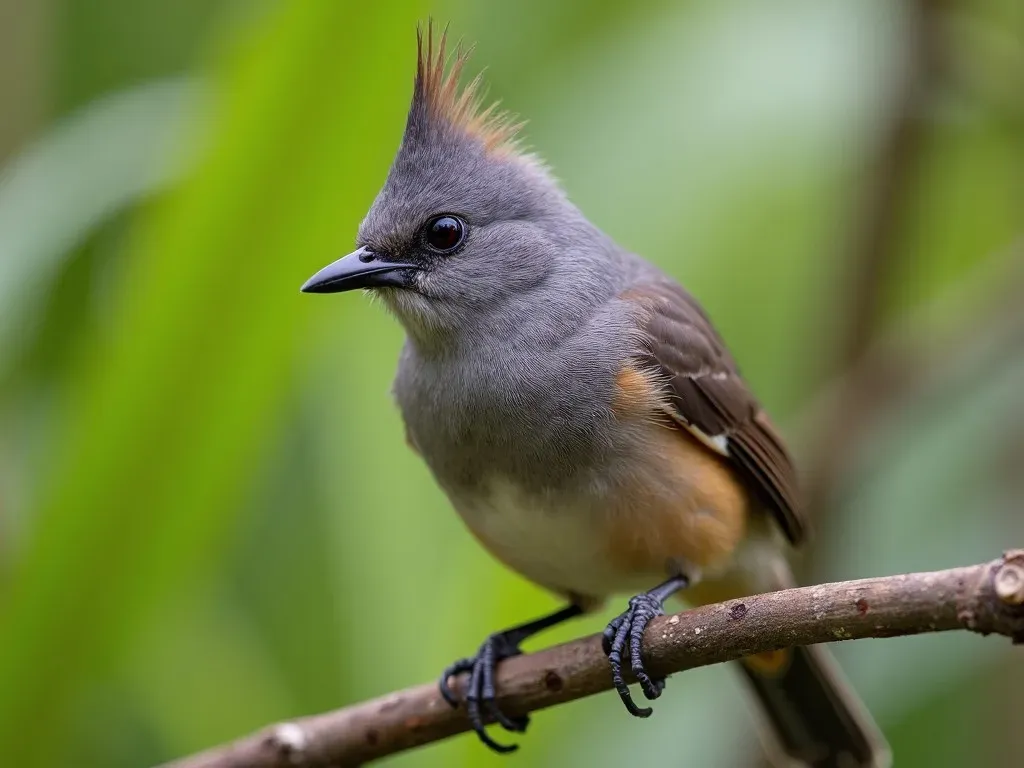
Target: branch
(985, 598)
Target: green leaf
(85, 170)
(182, 393)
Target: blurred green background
(209, 519)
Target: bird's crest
(437, 95)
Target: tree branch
(985, 598)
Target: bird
(582, 414)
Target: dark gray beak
(360, 269)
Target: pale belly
(558, 543)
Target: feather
(706, 395)
(437, 96)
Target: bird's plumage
(439, 99)
(576, 405)
(707, 395)
(565, 446)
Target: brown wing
(707, 396)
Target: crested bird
(581, 413)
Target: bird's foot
(628, 627)
(626, 632)
(480, 691)
(480, 694)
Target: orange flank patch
(769, 663)
(685, 505)
(635, 394)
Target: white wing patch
(717, 443)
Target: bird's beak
(360, 269)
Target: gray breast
(537, 415)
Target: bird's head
(467, 224)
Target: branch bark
(985, 598)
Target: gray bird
(581, 413)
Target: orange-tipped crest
(437, 91)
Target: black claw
(490, 708)
(477, 721)
(513, 724)
(462, 665)
(608, 636)
(481, 698)
(481, 703)
(618, 631)
(626, 632)
(648, 609)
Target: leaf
(83, 171)
(179, 398)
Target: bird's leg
(626, 631)
(480, 692)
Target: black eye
(444, 233)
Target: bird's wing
(705, 394)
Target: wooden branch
(986, 598)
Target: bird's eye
(444, 233)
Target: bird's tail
(814, 717)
